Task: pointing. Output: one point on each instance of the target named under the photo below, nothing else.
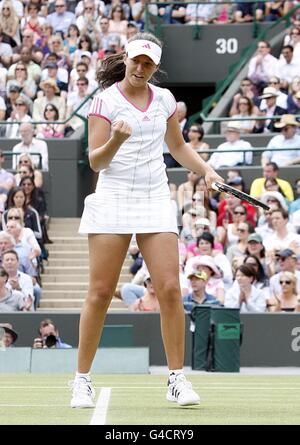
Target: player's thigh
(160, 252)
(106, 256)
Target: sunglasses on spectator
(20, 69)
(88, 9)
(59, 6)
(22, 172)
(243, 103)
(13, 217)
(81, 71)
(23, 161)
(6, 9)
(241, 230)
(285, 282)
(294, 33)
(237, 212)
(271, 200)
(21, 105)
(252, 264)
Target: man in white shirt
(75, 99)
(263, 65)
(236, 157)
(282, 238)
(287, 263)
(288, 68)
(287, 139)
(30, 145)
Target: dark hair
(248, 270)
(45, 323)
(274, 181)
(206, 236)
(3, 273)
(75, 27)
(83, 64)
(260, 274)
(10, 199)
(273, 165)
(56, 116)
(250, 104)
(199, 129)
(85, 38)
(11, 251)
(112, 69)
(290, 47)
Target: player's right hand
(120, 131)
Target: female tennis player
(128, 123)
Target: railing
(210, 102)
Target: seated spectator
(117, 22)
(281, 99)
(199, 13)
(268, 125)
(244, 229)
(28, 41)
(85, 45)
(26, 167)
(205, 244)
(87, 24)
(75, 99)
(50, 89)
(195, 140)
(32, 21)
(274, 10)
(59, 75)
(226, 209)
(262, 66)
(198, 296)
(61, 19)
(281, 238)
(10, 336)
(262, 279)
(27, 86)
(81, 71)
(286, 261)
(7, 242)
(256, 248)
(35, 199)
(223, 13)
(271, 185)
(271, 170)
(49, 335)
(29, 145)
(12, 300)
(5, 51)
(50, 130)
(27, 58)
(294, 104)
(214, 285)
(245, 109)
(200, 226)
(148, 302)
(228, 233)
(18, 280)
(131, 292)
(71, 40)
(294, 41)
(9, 23)
(288, 299)
(245, 12)
(19, 114)
(56, 47)
(25, 237)
(246, 90)
(234, 143)
(243, 294)
(287, 139)
(295, 205)
(288, 68)
(43, 41)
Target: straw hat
(51, 83)
(287, 119)
(269, 92)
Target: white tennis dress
(132, 195)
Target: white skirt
(107, 213)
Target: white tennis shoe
(181, 391)
(83, 394)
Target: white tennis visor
(150, 49)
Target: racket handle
(214, 186)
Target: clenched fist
(120, 131)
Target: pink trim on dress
(101, 116)
(135, 106)
(172, 113)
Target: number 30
(229, 46)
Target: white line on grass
(99, 416)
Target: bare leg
(160, 252)
(106, 253)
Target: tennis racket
(220, 187)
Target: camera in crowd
(50, 341)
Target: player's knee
(170, 292)
(100, 295)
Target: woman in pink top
(117, 23)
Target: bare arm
(105, 140)
(185, 155)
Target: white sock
(173, 373)
(86, 376)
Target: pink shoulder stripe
(101, 116)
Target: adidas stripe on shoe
(83, 394)
(181, 391)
